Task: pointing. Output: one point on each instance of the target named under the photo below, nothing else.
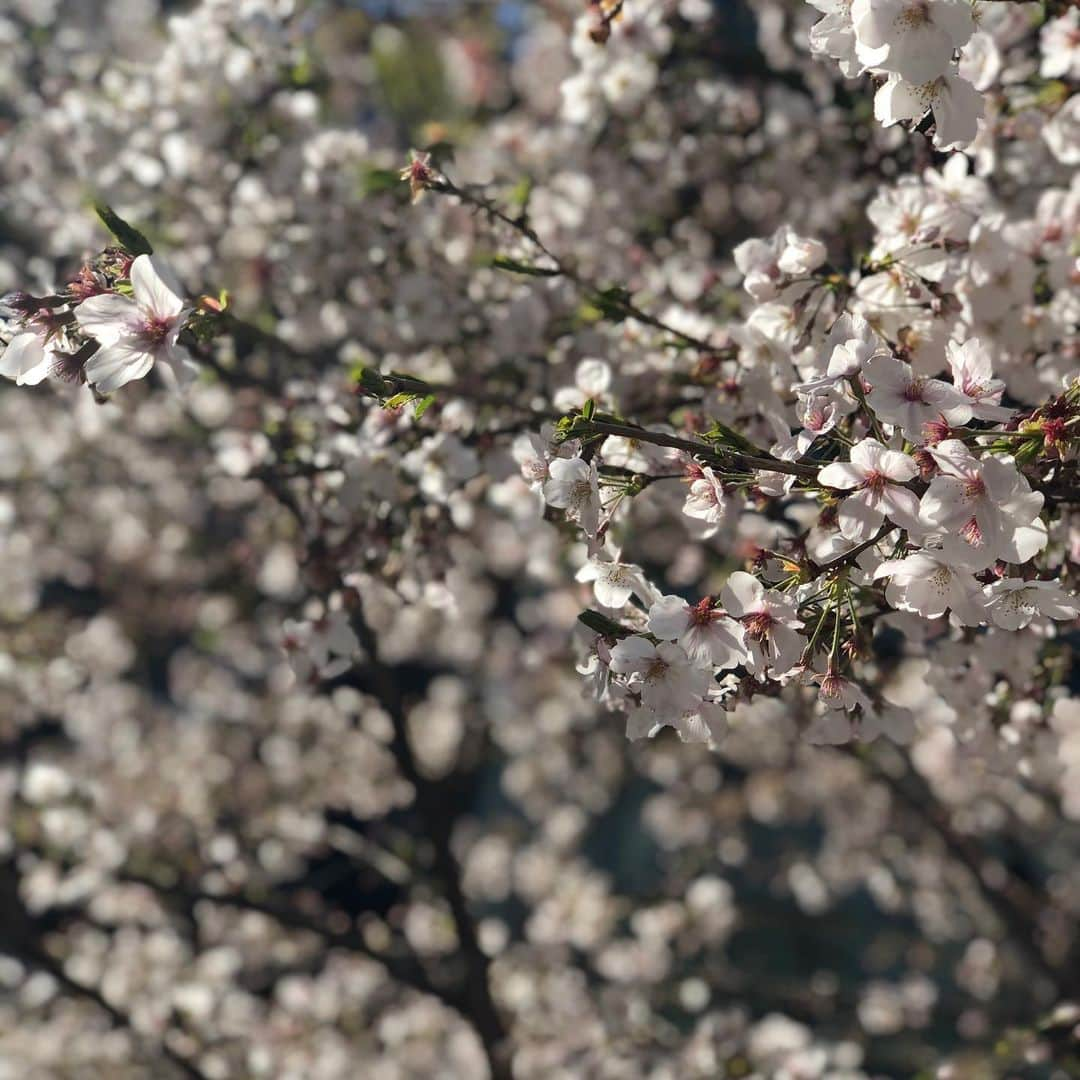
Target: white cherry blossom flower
(758, 260)
(1062, 134)
(668, 682)
(1013, 602)
(1059, 43)
(901, 397)
(613, 582)
(981, 61)
(972, 372)
(834, 35)
(875, 476)
(819, 412)
(956, 104)
(707, 635)
(837, 692)
(984, 509)
(29, 357)
(928, 585)
(705, 499)
(801, 255)
(850, 343)
(533, 455)
(705, 723)
(913, 38)
(770, 622)
(573, 486)
(136, 332)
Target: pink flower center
(758, 624)
(972, 533)
(1053, 431)
(974, 488)
(832, 686)
(155, 329)
(706, 493)
(657, 669)
(703, 613)
(915, 15)
(914, 391)
(580, 493)
(875, 481)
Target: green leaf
(724, 436)
(127, 236)
(500, 262)
(378, 181)
(521, 192)
(611, 303)
(1025, 453)
(588, 410)
(422, 406)
(370, 380)
(601, 624)
(398, 400)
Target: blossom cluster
(938, 58)
(110, 325)
(298, 777)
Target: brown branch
(561, 267)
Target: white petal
(179, 371)
(867, 454)
(109, 317)
(116, 365)
(842, 475)
(628, 655)
(895, 101)
(859, 516)
(156, 289)
(901, 506)
(25, 360)
(741, 593)
(669, 617)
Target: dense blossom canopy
(541, 539)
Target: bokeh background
(213, 865)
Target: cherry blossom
(572, 485)
(770, 622)
(972, 373)
(706, 500)
(706, 634)
(876, 477)
(983, 507)
(136, 332)
(307, 653)
(910, 401)
(29, 358)
(705, 723)
(913, 38)
(1014, 602)
(929, 585)
(957, 107)
(669, 684)
(613, 582)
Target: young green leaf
(127, 236)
